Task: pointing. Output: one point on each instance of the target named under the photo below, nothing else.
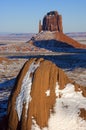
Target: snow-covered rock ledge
(44, 98)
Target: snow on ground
(46, 35)
(66, 111)
(24, 95)
(78, 75)
(14, 44)
(4, 95)
(78, 36)
(5, 88)
(35, 126)
(10, 68)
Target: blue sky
(22, 16)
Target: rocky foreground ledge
(44, 98)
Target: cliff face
(51, 22)
(45, 99)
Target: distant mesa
(51, 22)
(44, 98)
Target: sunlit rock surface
(52, 21)
(52, 24)
(44, 98)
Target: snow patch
(35, 126)
(57, 89)
(24, 95)
(66, 111)
(48, 92)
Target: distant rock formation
(45, 99)
(59, 37)
(51, 22)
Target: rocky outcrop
(44, 98)
(51, 22)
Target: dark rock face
(51, 22)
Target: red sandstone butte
(41, 105)
(52, 21)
